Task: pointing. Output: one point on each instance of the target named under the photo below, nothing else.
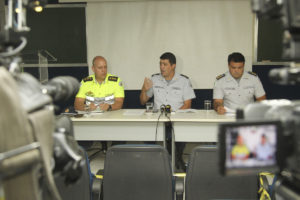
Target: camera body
(267, 139)
(288, 11)
(49, 158)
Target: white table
(115, 125)
(201, 126)
(198, 127)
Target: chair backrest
(137, 172)
(203, 180)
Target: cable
(93, 155)
(272, 186)
(167, 110)
(16, 50)
(172, 128)
(157, 125)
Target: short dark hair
(236, 57)
(169, 56)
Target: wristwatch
(109, 108)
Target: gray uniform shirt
(174, 93)
(237, 95)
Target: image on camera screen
(251, 145)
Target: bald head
(99, 68)
(96, 58)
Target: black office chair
(203, 180)
(137, 172)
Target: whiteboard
(133, 35)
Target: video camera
(267, 139)
(288, 11)
(39, 156)
(286, 112)
(38, 147)
(268, 136)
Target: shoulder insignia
(252, 73)
(87, 79)
(184, 76)
(220, 76)
(155, 74)
(113, 78)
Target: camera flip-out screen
(248, 147)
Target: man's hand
(221, 110)
(116, 106)
(79, 104)
(147, 84)
(219, 107)
(187, 104)
(104, 106)
(261, 98)
(92, 107)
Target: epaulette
(184, 76)
(88, 78)
(252, 73)
(220, 76)
(155, 74)
(113, 78)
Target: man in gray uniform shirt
(236, 88)
(169, 88)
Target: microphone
(165, 109)
(61, 88)
(168, 109)
(162, 108)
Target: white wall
(133, 35)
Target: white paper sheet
(229, 111)
(134, 112)
(187, 111)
